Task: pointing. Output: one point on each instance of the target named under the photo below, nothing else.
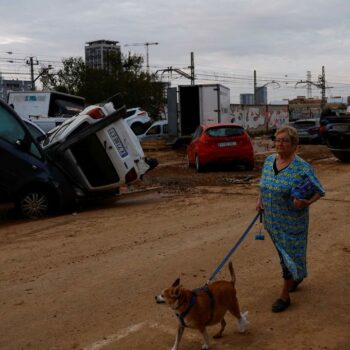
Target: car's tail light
(142, 114)
(96, 113)
(242, 140)
(323, 130)
(130, 176)
(314, 131)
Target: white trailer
(45, 108)
(203, 104)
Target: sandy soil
(87, 280)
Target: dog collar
(182, 316)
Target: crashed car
(98, 148)
(336, 132)
(91, 154)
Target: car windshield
(304, 124)
(36, 133)
(53, 135)
(225, 131)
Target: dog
(203, 307)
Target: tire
(137, 128)
(249, 166)
(189, 164)
(342, 156)
(35, 203)
(198, 165)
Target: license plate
(227, 144)
(117, 143)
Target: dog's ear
(177, 291)
(176, 283)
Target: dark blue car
(28, 178)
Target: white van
(98, 149)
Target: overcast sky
(280, 39)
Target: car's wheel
(138, 128)
(198, 165)
(249, 165)
(35, 203)
(190, 165)
(342, 156)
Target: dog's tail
(232, 273)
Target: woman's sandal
(294, 286)
(280, 305)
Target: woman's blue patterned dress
(287, 225)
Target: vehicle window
(306, 124)
(129, 113)
(197, 133)
(225, 131)
(34, 131)
(165, 128)
(155, 130)
(55, 134)
(11, 130)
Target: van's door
(21, 159)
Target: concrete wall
(260, 118)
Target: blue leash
(223, 262)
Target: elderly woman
(286, 210)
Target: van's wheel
(198, 165)
(137, 128)
(35, 203)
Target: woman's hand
(259, 206)
(301, 203)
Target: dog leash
(223, 262)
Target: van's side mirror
(41, 138)
(23, 144)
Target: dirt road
(87, 280)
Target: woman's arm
(303, 203)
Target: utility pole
(321, 84)
(147, 44)
(192, 68)
(31, 63)
(256, 88)
(308, 78)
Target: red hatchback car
(220, 143)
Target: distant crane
(147, 44)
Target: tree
(122, 74)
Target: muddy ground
(87, 280)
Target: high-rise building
(261, 95)
(246, 99)
(13, 85)
(97, 53)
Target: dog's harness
(182, 316)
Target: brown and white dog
(203, 307)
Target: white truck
(47, 109)
(200, 104)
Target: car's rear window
(307, 124)
(225, 131)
